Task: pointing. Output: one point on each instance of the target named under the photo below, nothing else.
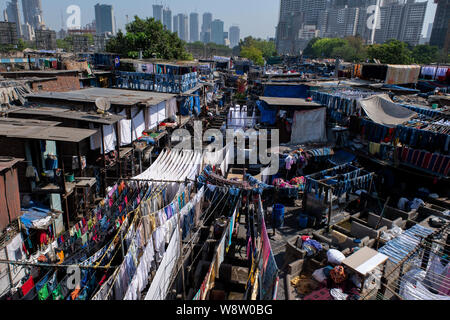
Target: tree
(254, 54)
(323, 48)
(425, 54)
(150, 37)
(21, 45)
(66, 44)
(309, 51)
(353, 50)
(267, 48)
(392, 52)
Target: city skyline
(264, 12)
(257, 18)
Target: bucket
(278, 215)
(70, 177)
(303, 221)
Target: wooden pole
(330, 208)
(79, 159)
(119, 165)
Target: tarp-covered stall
(402, 74)
(382, 110)
(309, 126)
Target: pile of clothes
(297, 182)
(312, 247)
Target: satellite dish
(103, 105)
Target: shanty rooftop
(119, 97)
(289, 102)
(52, 133)
(67, 113)
(8, 162)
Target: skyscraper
(403, 22)
(206, 28)
(440, 36)
(412, 22)
(342, 22)
(183, 21)
(157, 12)
(217, 31)
(176, 24)
(193, 27)
(167, 19)
(312, 9)
(32, 13)
(234, 36)
(13, 15)
(104, 19)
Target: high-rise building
(28, 32)
(440, 36)
(32, 13)
(342, 22)
(430, 29)
(412, 22)
(205, 34)
(167, 19)
(312, 9)
(157, 12)
(235, 36)
(401, 21)
(217, 31)
(104, 19)
(8, 33)
(13, 15)
(45, 39)
(294, 14)
(176, 24)
(193, 29)
(183, 27)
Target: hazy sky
(254, 17)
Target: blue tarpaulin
(36, 212)
(281, 91)
(342, 157)
(399, 88)
(191, 104)
(268, 115)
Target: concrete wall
(372, 221)
(360, 231)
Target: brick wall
(62, 83)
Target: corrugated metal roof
(29, 122)
(66, 113)
(63, 134)
(289, 102)
(118, 97)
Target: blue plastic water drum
(278, 215)
(303, 221)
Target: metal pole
(119, 165)
(49, 265)
(9, 270)
(104, 161)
